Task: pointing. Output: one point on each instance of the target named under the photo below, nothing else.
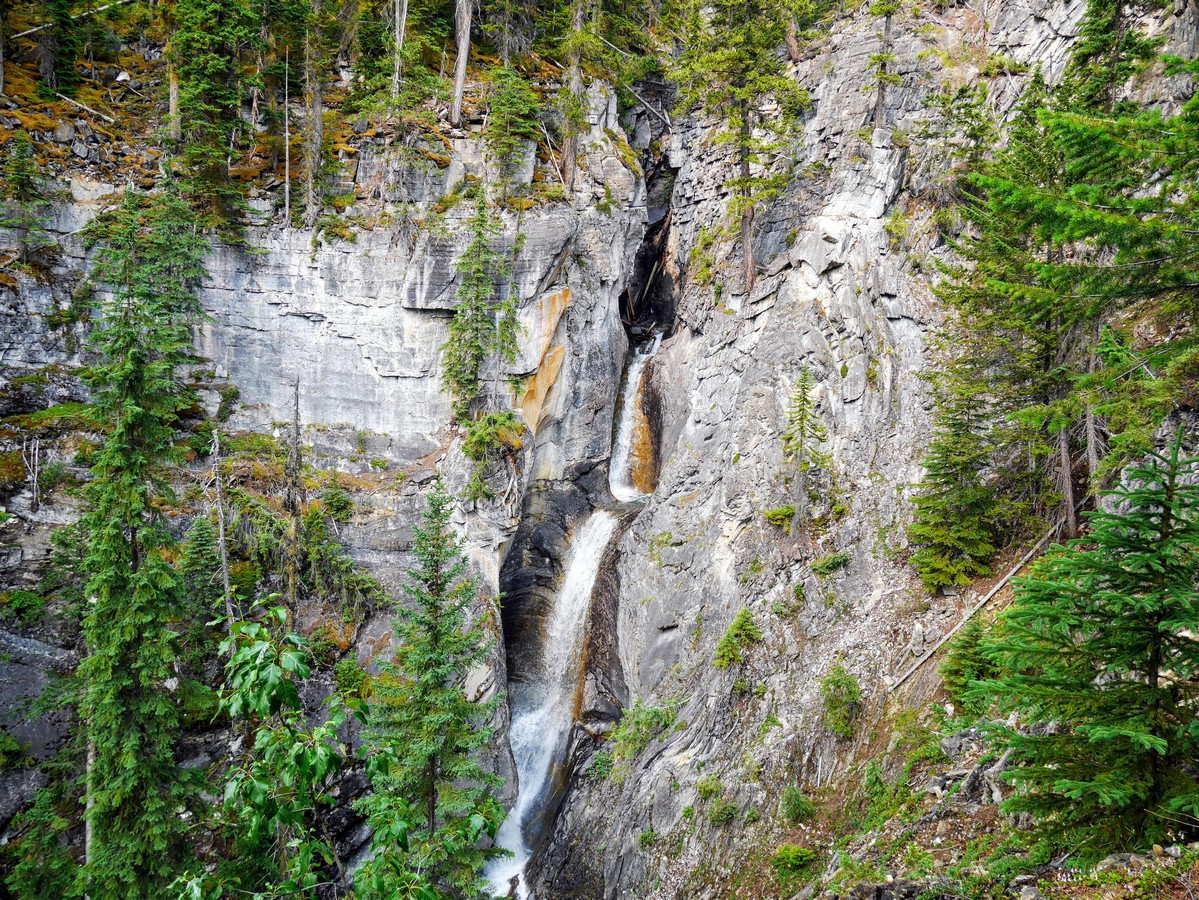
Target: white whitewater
(621, 465)
(543, 712)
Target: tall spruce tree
(150, 260)
(23, 206)
(425, 733)
(1099, 657)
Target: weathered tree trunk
(747, 209)
(400, 26)
(792, 39)
(462, 13)
(570, 147)
(315, 132)
(175, 125)
(1063, 447)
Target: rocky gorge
(631, 317)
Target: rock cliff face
(846, 294)
(847, 260)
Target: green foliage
(728, 67)
(426, 735)
(722, 811)
(601, 766)
(796, 807)
(840, 697)
(350, 679)
(790, 863)
(647, 839)
(274, 795)
(23, 205)
(488, 438)
(708, 788)
(484, 326)
(151, 261)
(28, 606)
(42, 867)
(1100, 642)
(956, 516)
(965, 663)
(830, 563)
(742, 633)
(205, 51)
(338, 504)
(635, 730)
(780, 516)
(63, 46)
(511, 121)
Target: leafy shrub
(840, 695)
(12, 753)
(601, 766)
(647, 838)
(796, 807)
(826, 565)
(780, 516)
(637, 727)
(337, 503)
(351, 679)
(27, 606)
(790, 859)
(708, 787)
(722, 812)
(742, 632)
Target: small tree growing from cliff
(24, 205)
(1099, 651)
(425, 734)
(729, 68)
(802, 439)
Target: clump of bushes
(840, 696)
(796, 807)
(741, 634)
(827, 565)
(780, 516)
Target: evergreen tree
(23, 206)
(956, 514)
(425, 733)
(484, 326)
(151, 261)
(802, 438)
(206, 48)
(728, 68)
(511, 122)
(59, 48)
(1098, 656)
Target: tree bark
(400, 26)
(1063, 447)
(570, 147)
(315, 132)
(792, 39)
(462, 13)
(175, 125)
(747, 209)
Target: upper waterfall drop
(627, 479)
(544, 710)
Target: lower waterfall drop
(543, 712)
(632, 431)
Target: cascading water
(543, 711)
(626, 475)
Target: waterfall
(626, 480)
(543, 711)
